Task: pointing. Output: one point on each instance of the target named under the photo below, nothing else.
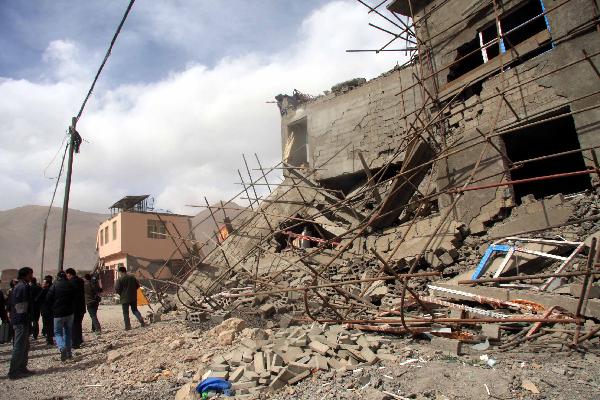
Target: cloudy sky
(183, 95)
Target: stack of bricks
(293, 354)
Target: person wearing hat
(61, 297)
(21, 308)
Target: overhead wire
(108, 52)
(76, 119)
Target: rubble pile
(267, 362)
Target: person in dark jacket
(46, 311)
(11, 285)
(4, 330)
(35, 320)
(126, 287)
(61, 297)
(92, 301)
(21, 308)
(79, 310)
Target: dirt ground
(154, 362)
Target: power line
(112, 43)
(75, 141)
(45, 228)
(54, 158)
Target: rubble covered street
(163, 359)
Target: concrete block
(576, 291)
(363, 342)
(250, 344)
(491, 331)
(267, 310)
(249, 375)
(319, 347)
(219, 367)
(299, 377)
(369, 356)
(243, 385)
(293, 354)
(446, 259)
(259, 362)
(285, 321)
(336, 364)
(320, 362)
(282, 379)
(247, 356)
(236, 374)
(297, 368)
(218, 374)
(277, 361)
(447, 346)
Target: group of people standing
(62, 304)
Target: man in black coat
(46, 311)
(21, 308)
(61, 297)
(79, 310)
(35, 320)
(126, 287)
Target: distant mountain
(21, 238)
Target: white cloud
(181, 138)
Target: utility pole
(74, 142)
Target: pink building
(141, 240)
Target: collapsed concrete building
(464, 181)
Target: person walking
(92, 301)
(46, 311)
(21, 308)
(79, 310)
(126, 287)
(35, 320)
(61, 296)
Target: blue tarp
(218, 385)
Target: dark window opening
(297, 152)
(348, 182)
(487, 36)
(517, 26)
(545, 139)
(297, 232)
(523, 14)
(472, 59)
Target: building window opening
(101, 237)
(545, 139)
(296, 151)
(467, 59)
(156, 229)
(114, 230)
(524, 22)
(297, 233)
(106, 235)
(512, 29)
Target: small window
(114, 230)
(101, 237)
(557, 136)
(156, 229)
(513, 28)
(106, 235)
